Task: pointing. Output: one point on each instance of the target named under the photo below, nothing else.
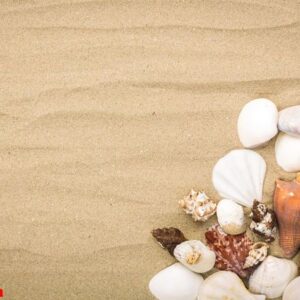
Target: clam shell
(195, 255)
(257, 122)
(231, 217)
(175, 282)
(292, 291)
(289, 120)
(239, 176)
(225, 285)
(272, 276)
(287, 151)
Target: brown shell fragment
(168, 238)
(287, 209)
(263, 221)
(231, 250)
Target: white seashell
(225, 285)
(292, 291)
(231, 217)
(239, 176)
(257, 254)
(272, 276)
(195, 256)
(175, 283)
(257, 123)
(289, 120)
(287, 150)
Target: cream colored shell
(292, 291)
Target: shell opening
(193, 258)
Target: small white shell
(195, 256)
(231, 217)
(175, 282)
(292, 291)
(289, 120)
(287, 150)
(272, 276)
(239, 176)
(257, 122)
(257, 254)
(225, 285)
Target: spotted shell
(257, 254)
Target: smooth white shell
(287, 150)
(175, 283)
(272, 276)
(257, 122)
(239, 176)
(231, 216)
(289, 120)
(292, 291)
(205, 261)
(225, 285)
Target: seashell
(199, 205)
(272, 276)
(263, 221)
(231, 250)
(168, 238)
(257, 254)
(175, 283)
(257, 123)
(225, 285)
(292, 291)
(231, 217)
(289, 121)
(195, 256)
(239, 176)
(287, 151)
(287, 209)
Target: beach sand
(110, 112)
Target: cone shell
(287, 209)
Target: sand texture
(110, 112)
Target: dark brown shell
(231, 250)
(168, 238)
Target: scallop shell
(292, 291)
(287, 151)
(175, 282)
(231, 250)
(289, 121)
(225, 285)
(199, 205)
(195, 255)
(257, 254)
(231, 217)
(272, 276)
(239, 176)
(287, 209)
(257, 123)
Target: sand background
(110, 112)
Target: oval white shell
(175, 282)
(292, 291)
(257, 122)
(239, 176)
(272, 276)
(231, 217)
(289, 120)
(225, 285)
(195, 256)
(287, 150)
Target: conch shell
(225, 285)
(195, 255)
(258, 252)
(263, 221)
(287, 209)
(231, 250)
(199, 205)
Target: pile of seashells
(238, 177)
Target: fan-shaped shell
(289, 120)
(239, 176)
(225, 285)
